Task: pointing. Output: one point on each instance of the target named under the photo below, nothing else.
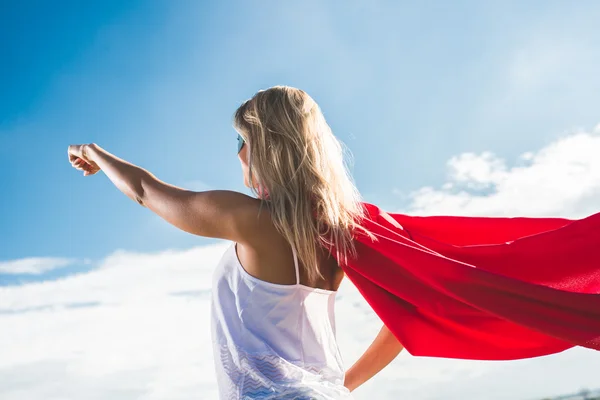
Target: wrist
(90, 154)
(88, 151)
(349, 381)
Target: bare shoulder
(255, 225)
(247, 218)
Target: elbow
(142, 187)
(138, 196)
(138, 193)
(139, 200)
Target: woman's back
(274, 339)
(270, 258)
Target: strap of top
(296, 265)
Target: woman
(274, 289)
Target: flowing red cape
(484, 288)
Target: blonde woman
(274, 290)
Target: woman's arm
(380, 353)
(215, 213)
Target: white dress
(273, 341)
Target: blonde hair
(300, 173)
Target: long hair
(297, 169)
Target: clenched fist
(79, 159)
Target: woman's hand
(79, 159)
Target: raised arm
(215, 213)
(380, 353)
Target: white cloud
(137, 327)
(33, 265)
(476, 171)
(562, 178)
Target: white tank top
(273, 341)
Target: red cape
(480, 287)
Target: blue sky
(404, 86)
(432, 98)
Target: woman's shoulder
(254, 221)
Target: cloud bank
(33, 265)
(562, 178)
